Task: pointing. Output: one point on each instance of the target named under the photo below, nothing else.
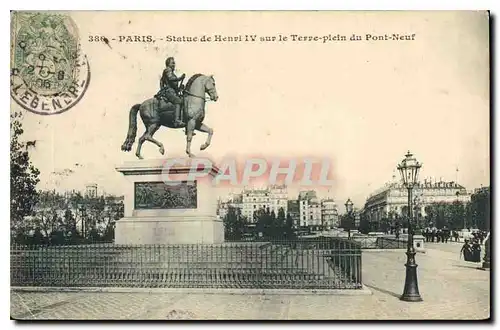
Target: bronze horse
(156, 113)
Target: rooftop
(426, 184)
(309, 194)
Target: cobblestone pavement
(451, 289)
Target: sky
(361, 104)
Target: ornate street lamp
(348, 207)
(409, 169)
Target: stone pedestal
(173, 204)
(418, 243)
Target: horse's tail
(132, 128)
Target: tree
(92, 216)
(93, 235)
(234, 224)
(456, 214)
(281, 229)
(268, 224)
(289, 226)
(273, 227)
(38, 237)
(23, 178)
(114, 213)
(442, 214)
(404, 211)
(261, 220)
(99, 221)
(69, 225)
(78, 217)
(384, 224)
(46, 219)
(430, 215)
(480, 208)
(347, 222)
(364, 223)
(469, 215)
(57, 234)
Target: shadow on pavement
(397, 295)
(471, 266)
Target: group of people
(479, 236)
(471, 250)
(443, 235)
(432, 234)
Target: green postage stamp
(49, 72)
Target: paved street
(451, 289)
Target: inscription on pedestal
(158, 195)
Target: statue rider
(170, 89)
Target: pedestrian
(482, 235)
(476, 251)
(466, 250)
(446, 234)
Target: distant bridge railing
(377, 242)
(322, 263)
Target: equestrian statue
(174, 106)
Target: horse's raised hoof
(162, 150)
(190, 155)
(139, 156)
(204, 146)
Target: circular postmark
(49, 73)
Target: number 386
(96, 38)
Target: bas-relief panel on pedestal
(158, 195)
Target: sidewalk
(451, 289)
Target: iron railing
(330, 263)
(374, 242)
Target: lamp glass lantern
(409, 169)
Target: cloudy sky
(361, 104)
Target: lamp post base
(411, 292)
(485, 265)
(411, 298)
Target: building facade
(278, 199)
(250, 200)
(91, 190)
(294, 212)
(253, 200)
(309, 210)
(329, 214)
(306, 211)
(391, 201)
(234, 200)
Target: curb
(334, 292)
